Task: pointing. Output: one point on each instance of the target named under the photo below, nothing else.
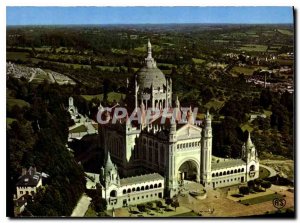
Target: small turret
(172, 135)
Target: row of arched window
(224, 173)
(187, 145)
(142, 188)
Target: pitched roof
(227, 163)
(140, 179)
(30, 180)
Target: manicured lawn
(261, 199)
(263, 173)
(90, 212)
(78, 129)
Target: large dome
(150, 76)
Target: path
(82, 206)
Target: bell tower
(206, 151)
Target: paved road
(271, 170)
(81, 206)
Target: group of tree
(38, 138)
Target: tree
(258, 182)
(266, 184)
(168, 201)
(175, 204)
(149, 205)
(244, 190)
(250, 184)
(158, 204)
(98, 202)
(141, 207)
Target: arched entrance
(113, 193)
(188, 171)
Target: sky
(146, 15)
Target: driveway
(82, 206)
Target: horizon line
(190, 23)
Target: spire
(149, 49)
(109, 165)
(249, 141)
(207, 113)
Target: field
(198, 61)
(17, 55)
(246, 70)
(253, 48)
(111, 96)
(11, 102)
(214, 104)
(285, 32)
(261, 199)
(10, 120)
(78, 129)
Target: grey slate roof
(146, 77)
(140, 179)
(227, 163)
(28, 180)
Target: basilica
(148, 161)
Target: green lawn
(244, 70)
(285, 32)
(78, 129)
(11, 102)
(247, 127)
(263, 173)
(198, 61)
(17, 55)
(267, 113)
(254, 47)
(10, 120)
(215, 104)
(90, 212)
(285, 62)
(187, 214)
(261, 199)
(221, 41)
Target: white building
(131, 190)
(172, 152)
